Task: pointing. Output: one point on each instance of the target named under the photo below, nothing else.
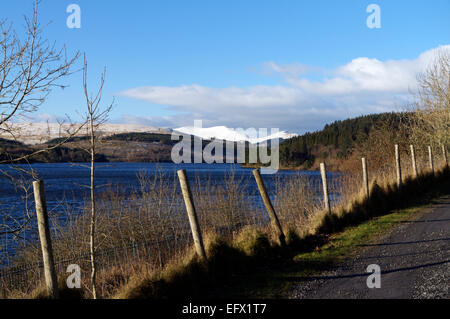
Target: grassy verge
(254, 266)
(278, 282)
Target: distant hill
(37, 133)
(335, 143)
(142, 137)
(122, 147)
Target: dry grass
(144, 237)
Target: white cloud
(362, 86)
(198, 97)
(288, 70)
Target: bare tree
(427, 121)
(95, 116)
(432, 102)
(30, 68)
(379, 144)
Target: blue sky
(294, 65)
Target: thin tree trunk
(93, 217)
(95, 117)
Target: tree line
(342, 136)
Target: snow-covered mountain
(36, 133)
(228, 134)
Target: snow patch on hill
(228, 134)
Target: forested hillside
(336, 141)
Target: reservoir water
(65, 182)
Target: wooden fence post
(326, 198)
(269, 207)
(193, 220)
(430, 158)
(46, 242)
(398, 166)
(365, 177)
(413, 159)
(444, 155)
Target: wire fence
(154, 254)
(157, 253)
(239, 208)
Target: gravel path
(414, 261)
